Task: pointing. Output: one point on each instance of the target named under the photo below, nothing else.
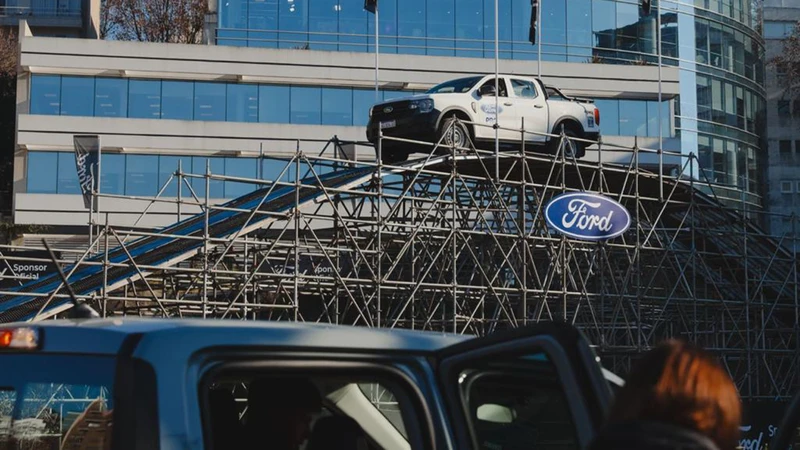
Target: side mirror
(487, 90)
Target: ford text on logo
(587, 216)
(388, 109)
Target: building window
(786, 187)
(785, 146)
(311, 105)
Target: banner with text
(760, 423)
(87, 158)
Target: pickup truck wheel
(453, 133)
(579, 148)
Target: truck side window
(518, 404)
(68, 409)
(524, 88)
(263, 411)
(501, 83)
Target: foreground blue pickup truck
(146, 384)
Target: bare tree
(179, 21)
(788, 64)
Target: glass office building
(715, 43)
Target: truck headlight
(424, 105)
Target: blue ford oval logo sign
(587, 216)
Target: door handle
(508, 103)
(538, 106)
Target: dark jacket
(650, 436)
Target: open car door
(788, 435)
(539, 386)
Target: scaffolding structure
(442, 243)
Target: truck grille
(395, 110)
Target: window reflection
(144, 99)
(77, 96)
(209, 101)
(46, 94)
(111, 99)
(42, 173)
(251, 103)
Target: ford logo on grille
(388, 109)
(587, 216)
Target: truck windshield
(458, 86)
(55, 402)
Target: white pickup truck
(427, 117)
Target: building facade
(783, 118)
(61, 18)
(282, 70)
(715, 43)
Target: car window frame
(585, 389)
(529, 82)
(422, 433)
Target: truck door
(534, 387)
(486, 113)
(531, 109)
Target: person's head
(680, 384)
(283, 406)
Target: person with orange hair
(676, 396)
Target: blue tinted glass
(273, 104)
(242, 103)
(652, 118)
(42, 172)
(233, 14)
(505, 32)
(363, 100)
(216, 187)
(609, 116)
(271, 169)
(469, 28)
(244, 168)
(77, 96)
(411, 27)
(306, 104)
(111, 97)
(441, 23)
(632, 118)
(388, 25)
(391, 95)
(554, 22)
(67, 174)
(579, 28)
(520, 30)
(112, 178)
(604, 21)
(337, 106)
(141, 175)
(144, 99)
(353, 27)
(45, 94)
(262, 16)
(167, 166)
(293, 16)
(323, 24)
(209, 101)
(177, 98)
